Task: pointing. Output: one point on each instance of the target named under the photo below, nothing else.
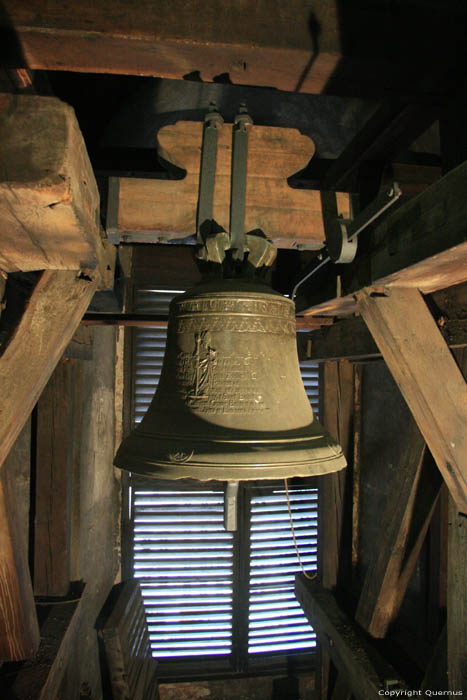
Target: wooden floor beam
(427, 375)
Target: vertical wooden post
(19, 630)
(457, 584)
(53, 484)
(338, 396)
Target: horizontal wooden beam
(350, 339)
(423, 244)
(427, 375)
(49, 202)
(296, 47)
(354, 656)
(52, 315)
(155, 321)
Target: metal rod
(230, 506)
(238, 182)
(207, 175)
(355, 227)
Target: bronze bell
(230, 404)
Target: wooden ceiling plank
(427, 375)
(52, 315)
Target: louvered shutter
(276, 621)
(310, 377)
(183, 559)
(148, 348)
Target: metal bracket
(341, 234)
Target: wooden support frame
(415, 353)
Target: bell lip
(183, 466)
(230, 472)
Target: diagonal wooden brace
(427, 375)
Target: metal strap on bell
(230, 404)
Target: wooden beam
(457, 600)
(19, 630)
(49, 202)
(61, 628)
(350, 339)
(151, 210)
(457, 585)
(54, 311)
(420, 245)
(295, 48)
(427, 376)
(355, 658)
(53, 484)
(338, 392)
(404, 525)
